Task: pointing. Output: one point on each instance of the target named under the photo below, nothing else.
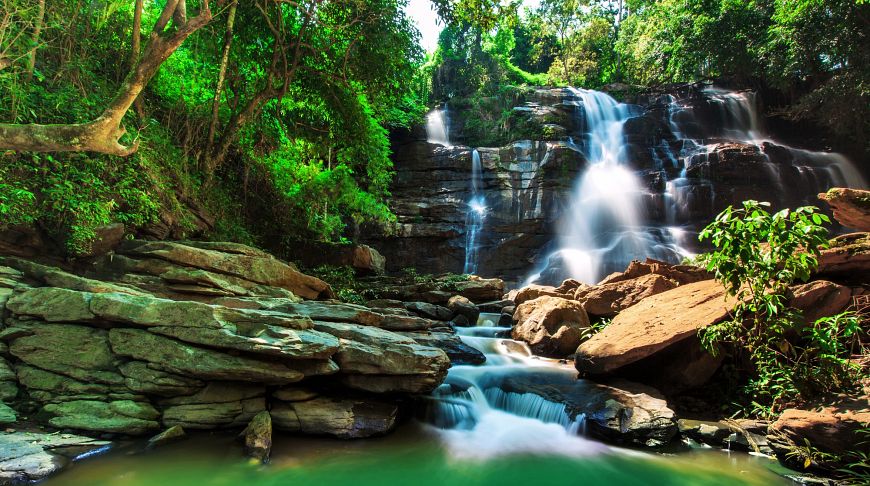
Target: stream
(471, 433)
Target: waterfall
(603, 228)
(438, 126)
(475, 215)
(478, 418)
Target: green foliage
(757, 256)
(594, 328)
(344, 282)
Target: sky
(429, 23)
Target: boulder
(532, 292)
(681, 274)
(396, 363)
(254, 266)
(847, 257)
(830, 430)
(32, 456)
(430, 311)
(851, 207)
(258, 437)
(819, 298)
(621, 412)
(458, 352)
(607, 300)
(7, 414)
(343, 418)
(172, 434)
(552, 326)
(462, 306)
(654, 325)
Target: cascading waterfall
(438, 127)
(478, 419)
(603, 228)
(475, 215)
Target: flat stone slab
(31, 456)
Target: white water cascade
(478, 418)
(474, 216)
(438, 126)
(603, 229)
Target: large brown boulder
(819, 298)
(847, 257)
(681, 274)
(851, 207)
(609, 299)
(657, 327)
(534, 291)
(830, 430)
(552, 326)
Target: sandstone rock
(819, 298)
(681, 274)
(477, 289)
(458, 352)
(218, 405)
(261, 269)
(550, 325)
(184, 359)
(371, 351)
(168, 436)
(430, 311)
(79, 352)
(55, 277)
(851, 207)
(343, 418)
(462, 306)
(53, 304)
(847, 257)
(106, 239)
(45, 386)
(339, 312)
(31, 456)
(534, 291)
(122, 416)
(258, 437)
(607, 300)
(654, 324)
(143, 377)
(831, 430)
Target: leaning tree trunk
(103, 135)
(222, 74)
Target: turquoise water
(414, 455)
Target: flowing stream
(474, 432)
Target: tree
(104, 134)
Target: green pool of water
(412, 456)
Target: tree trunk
(37, 31)
(103, 134)
(225, 56)
(136, 48)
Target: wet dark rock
(258, 437)
(462, 306)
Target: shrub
(757, 256)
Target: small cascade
(479, 417)
(475, 215)
(438, 126)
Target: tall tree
(104, 133)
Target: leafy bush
(758, 255)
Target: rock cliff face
(696, 151)
(205, 336)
